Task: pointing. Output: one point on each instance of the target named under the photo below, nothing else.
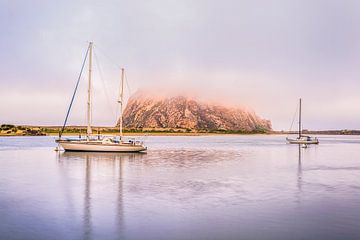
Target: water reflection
(299, 172)
(215, 187)
(99, 156)
(93, 162)
(87, 203)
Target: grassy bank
(153, 132)
(12, 130)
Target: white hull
(98, 146)
(302, 141)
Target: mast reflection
(87, 202)
(299, 172)
(96, 161)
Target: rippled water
(208, 187)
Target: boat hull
(302, 141)
(84, 146)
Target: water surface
(201, 187)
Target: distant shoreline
(321, 132)
(29, 130)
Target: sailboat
(98, 143)
(302, 139)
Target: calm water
(209, 187)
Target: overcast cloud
(261, 54)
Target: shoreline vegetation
(25, 130)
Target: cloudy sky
(261, 54)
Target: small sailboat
(98, 143)
(302, 139)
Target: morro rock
(144, 111)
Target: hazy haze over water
(263, 54)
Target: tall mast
(121, 98)
(300, 118)
(89, 131)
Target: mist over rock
(145, 111)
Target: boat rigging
(98, 143)
(302, 139)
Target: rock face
(179, 112)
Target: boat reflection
(88, 165)
(99, 156)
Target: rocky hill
(179, 112)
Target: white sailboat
(302, 139)
(99, 143)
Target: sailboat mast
(121, 98)
(89, 131)
(300, 118)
